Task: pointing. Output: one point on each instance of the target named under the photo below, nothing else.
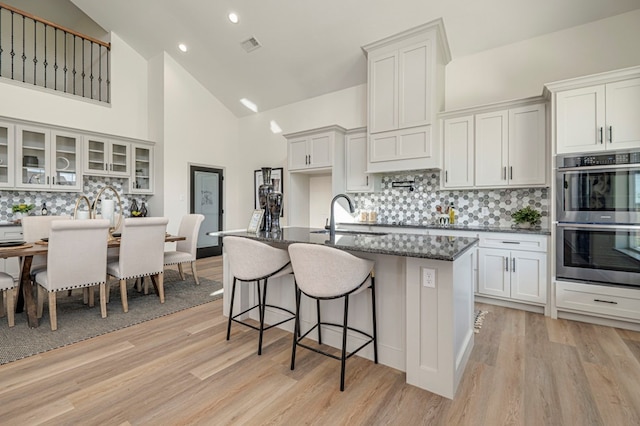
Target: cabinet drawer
(11, 233)
(514, 242)
(599, 300)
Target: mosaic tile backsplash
(418, 207)
(63, 203)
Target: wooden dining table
(26, 289)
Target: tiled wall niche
(418, 207)
(63, 203)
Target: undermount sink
(349, 232)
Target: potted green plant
(20, 210)
(526, 217)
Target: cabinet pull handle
(106, 166)
(605, 301)
(601, 138)
(511, 172)
(53, 180)
(511, 242)
(506, 264)
(47, 180)
(610, 134)
(367, 180)
(504, 173)
(513, 264)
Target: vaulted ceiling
(310, 48)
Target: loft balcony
(41, 53)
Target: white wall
(126, 116)
(198, 129)
(260, 147)
(521, 69)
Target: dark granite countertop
(537, 230)
(395, 244)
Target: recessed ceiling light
(183, 47)
(233, 17)
(246, 102)
(274, 127)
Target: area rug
(77, 322)
(478, 320)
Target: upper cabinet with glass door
(105, 157)
(141, 181)
(47, 159)
(7, 146)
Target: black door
(206, 199)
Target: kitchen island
(424, 295)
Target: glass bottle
(143, 210)
(263, 194)
(44, 210)
(134, 209)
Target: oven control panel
(613, 159)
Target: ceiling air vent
(250, 44)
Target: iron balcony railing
(36, 51)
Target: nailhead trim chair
(7, 289)
(35, 228)
(253, 261)
(326, 273)
(141, 255)
(77, 258)
(186, 250)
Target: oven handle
(597, 226)
(600, 168)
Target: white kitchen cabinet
(313, 149)
(406, 90)
(105, 157)
(7, 154)
(399, 90)
(619, 303)
(459, 156)
(598, 117)
(48, 159)
(141, 181)
(510, 147)
(358, 180)
(516, 270)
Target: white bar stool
(325, 273)
(7, 286)
(253, 261)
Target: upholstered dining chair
(76, 258)
(34, 228)
(141, 255)
(7, 290)
(186, 250)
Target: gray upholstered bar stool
(253, 261)
(325, 273)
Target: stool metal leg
(343, 359)
(319, 327)
(263, 303)
(375, 326)
(233, 294)
(296, 332)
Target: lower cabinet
(599, 300)
(518, 275)
(513, 267)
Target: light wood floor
(525, 370)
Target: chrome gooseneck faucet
(332, 221)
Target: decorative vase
(263, 194)
(275, 206)
(524, 225)
(143, 210)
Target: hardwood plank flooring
(525, 369)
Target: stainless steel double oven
(598, 211)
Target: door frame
(194, 167)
